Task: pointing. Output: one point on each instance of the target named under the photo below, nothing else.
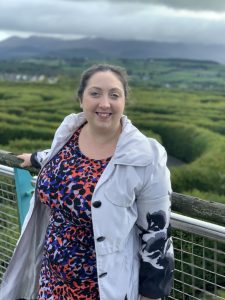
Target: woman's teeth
(103, 114)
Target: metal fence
(199, 259)
(9, 225)
(199, 247)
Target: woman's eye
(94, 94)
(114, 96)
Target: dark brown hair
(87, 74)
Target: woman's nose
(105, 102)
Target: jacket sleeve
(38, 157)
(156, 251)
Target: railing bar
(189, 253)
(9, 252)
(16, 229)
(184, 293)
(11, 237)
(222, 276)
(7, 184)
(15, 226)
(218, 251)
(10, 245)
(6, 170)
(8, 200)
(5, 255)
(2, 260)
(8, 193)
(7, 222)
(198, 223)
(10, 216)
(8, 207)
(4, 269)
(193, 265)
(179, 271)
(3, 206)
(189, 242)
(8, 189)
(200, 246)
(196, 288)
(4, 249)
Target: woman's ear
(80, 101)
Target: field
(180, 103)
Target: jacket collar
(133, 148)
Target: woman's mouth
(103, 114)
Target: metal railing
(9, 224)
(199, 247)
(199, 259)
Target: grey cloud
(199, 5)
(193, 5)
(120, 20)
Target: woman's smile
(103, 115)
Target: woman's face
(103, 101)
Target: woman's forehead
(105, 79)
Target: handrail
(193, 207)
(196, 226)
(10, 159)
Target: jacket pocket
(120, 198)
(122, 187)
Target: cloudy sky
(196, 21)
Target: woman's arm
(33, 159)
(156, 253)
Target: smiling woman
(99, 222)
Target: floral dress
(66, 184)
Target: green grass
(189, 122)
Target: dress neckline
(77, 134)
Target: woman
(98, 224)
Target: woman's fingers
(26, 159)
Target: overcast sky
(196, 21)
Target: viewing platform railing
(197, 228)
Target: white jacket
(136, 256)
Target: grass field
(170, 100)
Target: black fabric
(156, 283)
(34, 161)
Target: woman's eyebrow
(116, 89)
(94, 87)
(100, 89)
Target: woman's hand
(26, 159)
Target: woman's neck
(101, 136)
(98, 144)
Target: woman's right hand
(26, 159)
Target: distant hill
(41, 47)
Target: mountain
(36, 46)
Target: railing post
(24, 190)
